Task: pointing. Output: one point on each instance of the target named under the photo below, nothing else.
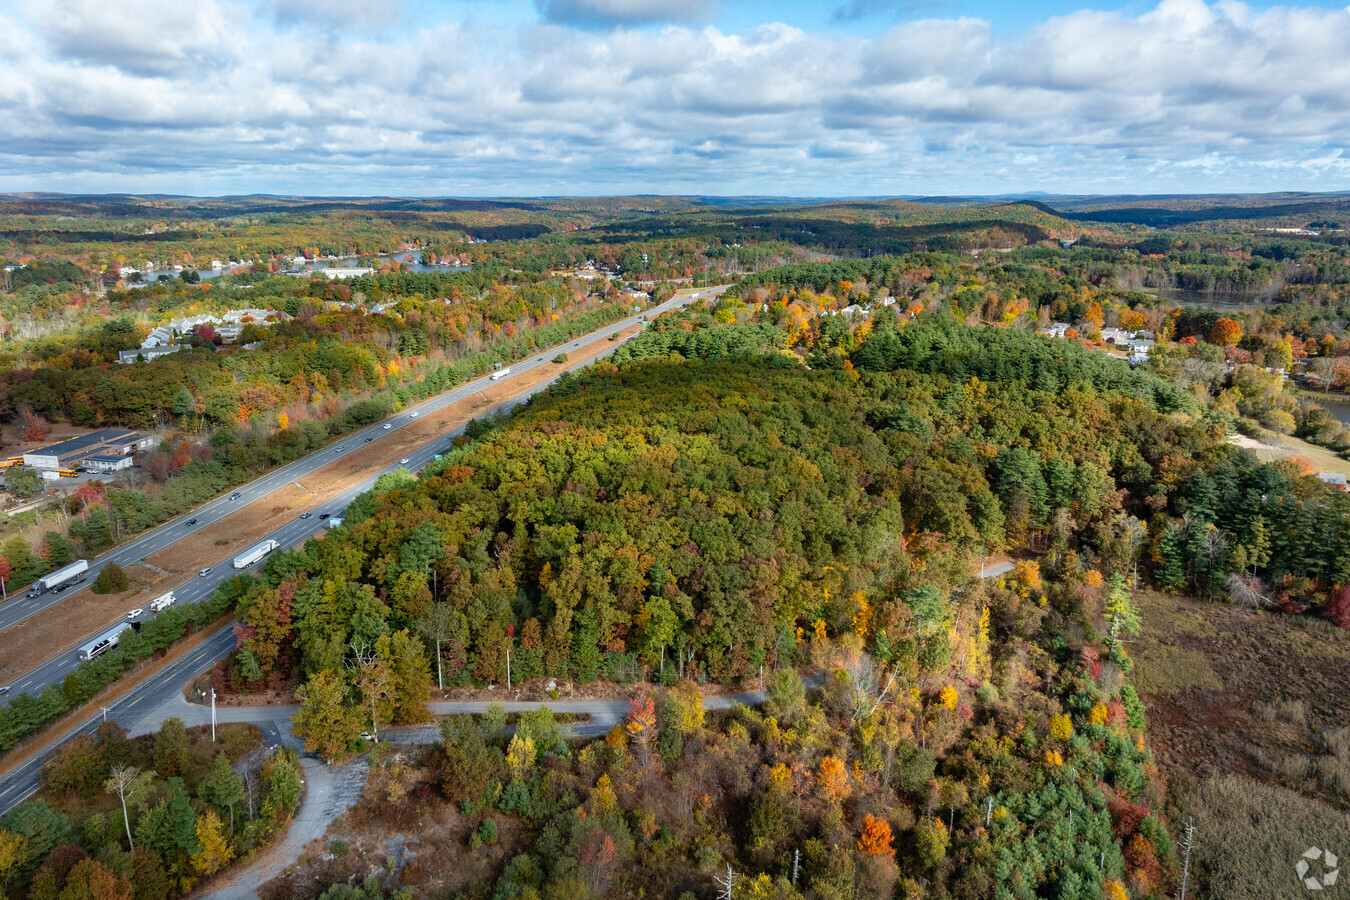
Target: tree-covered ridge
(700, 513)
(1050, 427)
(936, 345)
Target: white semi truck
(500, 374)
(61, 576)
(254, 554)
(103, 643)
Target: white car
(412, 415)
(367, 736)
(387, 426)
(403, 461)
(136, 613)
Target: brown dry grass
(31, 642)
(1232, 690)
(1249, 836)
(424, 835)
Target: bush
(486, 834)
(560, 358)
(111, 580)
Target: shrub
(560, 358)
(111, 580)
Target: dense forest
(797, 480)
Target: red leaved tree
(1338, 606)
(32, 426)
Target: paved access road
(199, 588)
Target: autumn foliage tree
(1338, 606)
(641, 727)
(31, 425)
(876, 837)
(1225, 333)
(832, 778)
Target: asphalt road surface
(199, 588)
(165, 686)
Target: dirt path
(328, 794)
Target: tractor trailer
(61, 576)
(162, 602)
(253, 555)
(103, 643)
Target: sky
(784, 98)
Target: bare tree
(1187, 844)
(373, 682)
(866, 691)
(437, 627)
(1245, 590)
(1135, 533)
(126, 782)
(728, 884)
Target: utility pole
(508, 667)
(105, 712)
(213, 715)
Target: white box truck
(61, 576)
(254, 554)
(162, 602)
(500, 374)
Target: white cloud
(208, 96)
(145, 36)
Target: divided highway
(199, 588)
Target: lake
(1337, 406)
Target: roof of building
(88, 441)
(105, 458)
(1332, 477)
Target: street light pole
(213, 715)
